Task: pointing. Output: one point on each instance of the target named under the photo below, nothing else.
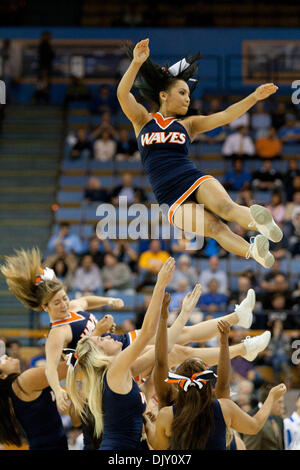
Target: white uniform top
(292, 432)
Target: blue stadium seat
(295, 266)
(105, 166)
(79, 164)
(72, 180)
(239, 264)
(68, 213)
(129, 165)
(290, 149)
(262, 197)
(69, 196)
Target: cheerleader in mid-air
(164, 140)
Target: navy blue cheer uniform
(123, 418)
(84, 323)
(40, 421)
(217, 437)
(164, 145)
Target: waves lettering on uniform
(162, 138)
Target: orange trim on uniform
(71, 318)
(132, 335)
(163, 122)
(185, 195)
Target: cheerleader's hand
(141, 51)
(116, 303)
(264, 91)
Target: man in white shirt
(213, 273)
(239, 144)
(292, 429)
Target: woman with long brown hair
(198, 421)
(38, 289)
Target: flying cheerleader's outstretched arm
(199, 124)
(135, 112)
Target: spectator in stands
(215, 135)
(126, 254)
(141, 311)
(279, 310)
(270, 437)
(278, 115)
(45, 55)
(277, 208)
(71, 241)
(184, 245)
(77, 90)
(252, 276)
(94, 192)
(292, 179)
(239, 144)
(104, 147)
(267, 284)
(242, 121)
(292, 428)
(280, 286)
(278, 351)
(289, 133)
(133, 193)
(214, 272)
(13, 349)
(281, 249)
(7, 58)
(116, 276)
(238, 178)
(184, 270)
(179, 294)
(294, 240)
(39, 360)
(213, 301)
(87, 277)
(62, 273)
(245, 198)
(149, 264)
(105, 100)
(61, 254)
(105, 125)
(236, 297)
(260, 120)
(97, 250)
(269, 145)
(266, 178)
(292, 206)
(41, 94)
(127, 148)
(243, 369)
(83, 147)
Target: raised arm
(125, 359)
(237, 419)
(90, 302)
(199, 124)
(161, 367)
(166, 339)
(135, 112)
(222, 389)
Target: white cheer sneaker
(245, 308)
(255, 345)
(262, 218)
(259, 250)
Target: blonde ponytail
(20, 271)
(91, 366)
